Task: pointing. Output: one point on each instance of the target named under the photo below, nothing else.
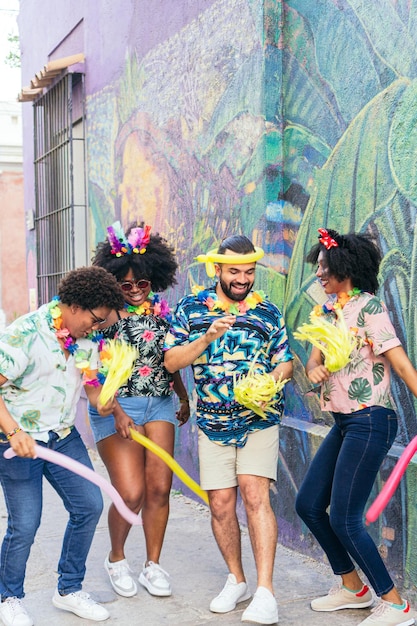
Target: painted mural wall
(272, 119)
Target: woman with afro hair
(143, 265)
(344, 469)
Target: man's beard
(237, 297)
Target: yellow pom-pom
(333, 339)
(257, 391)
(120, 358)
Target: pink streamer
(390, 486)
(87, 473)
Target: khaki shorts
(220, 465)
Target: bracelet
(13, 432)
(184, 401)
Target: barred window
(60, 183)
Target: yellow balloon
(213, 257)
(172, 463)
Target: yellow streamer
(333, 339)
(213, 257)
(118, 358)
(171, 462)
(258, 391)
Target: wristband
(184, 401)
(13, 432)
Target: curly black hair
(157, 264)
(236, 243)
(356, 257)
(90, 288)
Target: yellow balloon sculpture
(213, 257)
(171, 462)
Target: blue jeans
(21, 480)
(341, 475)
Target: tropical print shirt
(365, 380)
(43, 387)
(260, 331)
(147, 334)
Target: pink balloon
(78, 468)
(390, 486)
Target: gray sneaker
(341, 598)
(155, 580)
(120, 578)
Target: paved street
(197, 572)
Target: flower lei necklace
(82, 357)
(342, 299)
(232, 308)
(154, 305)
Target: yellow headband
(213, 257)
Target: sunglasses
(97, 320)
(128, 285)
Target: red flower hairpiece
(327, 241)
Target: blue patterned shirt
(221, 418)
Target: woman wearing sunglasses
(144, 265)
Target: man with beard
(218, 331)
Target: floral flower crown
(135, 243)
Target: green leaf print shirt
(365, 380)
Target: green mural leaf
(338, 43)
(392, 41)
(403, 144)
(346, 192)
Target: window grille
(60, 183)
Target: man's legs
(226, 529)
(262, 525)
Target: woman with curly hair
(345, 467)
(143, 265)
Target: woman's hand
(106, 409)
(183, 413)
(123, 423)
(318, 374)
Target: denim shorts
(142, 410)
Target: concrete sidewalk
(197, 571)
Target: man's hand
(219, 327)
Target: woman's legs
(342, 475)
(368, 437)
(158, 479)
(314, 497)
(124, 460)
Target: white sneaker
(80, 604)
(120, 578)
(155, 580)
(385, 614)
(231, 594)
(13, 613)
(263, 609)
